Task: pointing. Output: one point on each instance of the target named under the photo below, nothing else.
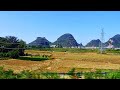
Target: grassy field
(62, 62)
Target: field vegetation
(57, 63)
(26, 74)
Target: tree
(12, 39)
(14, 54)
(12, 42)
(13, 45)
(22, 44)
(3, 41)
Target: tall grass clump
(49, 75)
(71, 72)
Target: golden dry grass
(64, 61)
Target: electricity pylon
(102, 41)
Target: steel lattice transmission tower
(102, 41)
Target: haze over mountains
(68, 40)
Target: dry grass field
(64, 61)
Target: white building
(53, 46)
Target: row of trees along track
(10, 43)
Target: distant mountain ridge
(93, 43)
(41, 42)
(66, 40)
(115, 41)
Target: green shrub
(98, 74)
(113, 75)
(49, 75)
(26, 74)
(7, 74)
(1, 54)
(89, 75)
(13, 54)
(71, 72)
(79, 74)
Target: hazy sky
(83, 25)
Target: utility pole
(102, 41)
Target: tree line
(11, 46)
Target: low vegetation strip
(76, 50)
(33, 58)
(99, 74)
